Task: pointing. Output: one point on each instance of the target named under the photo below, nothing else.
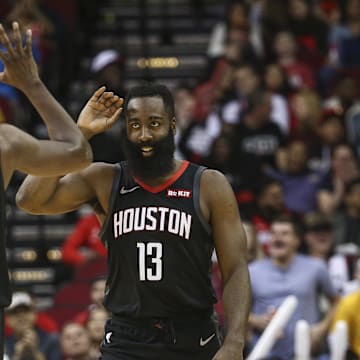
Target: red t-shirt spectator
(83, 243)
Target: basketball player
(161, 220)
(67, 150)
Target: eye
(134, 125)
(155, 123)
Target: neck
(283, 263)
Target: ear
(173, 125)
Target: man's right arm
(40, 195)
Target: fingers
(108, 99)
(98, 93)
(28, 42)
(17, 38)
(4, 40)
(17, 48)
(111, 121)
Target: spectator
(319, 242)
(270, 203)
(344, 94)
(281, 275)
(28, 341)
(223, 157)
(83, 243)
(309, 30)
(347, 221)
(299, 183)
(348, 42)
(256, 133)
(331, 132)
(344, 169)
(236, 17)
(184, 111)
(247, 82)
(95, 325)
(97, 293)
(306, 115)
(286, 50)
(75, 342)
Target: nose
(145, 135)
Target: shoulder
(213, 184)
(351, 299)
(211, 177)
(310, 263)
(260, 265)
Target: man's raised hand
(100, 112)
(20, 69)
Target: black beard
(160, 164)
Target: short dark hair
(149, 89)
(296, 224)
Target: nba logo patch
(179, 193)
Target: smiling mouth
(147, 150)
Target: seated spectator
(43, 321)
(256, 133)
(319, 242)
(347, 220)
(343, 96)
(285, 273)
(184, 112)
(96, 326)
(83, 243)
(231, 162)
(306, 115)
(247, 82)
(300, 74)
(310, 30)
(349, 43)
(299, 183)
(97, 293)
(270, 203)
(75, 342)
(28, 341)
(331, 132)
(344, 168)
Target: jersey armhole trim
(196, 198)
(114, 189)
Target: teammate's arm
(40, 195)
(70, 151)
(220, 207)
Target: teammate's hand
(100, 112)
(20, 69)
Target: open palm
(100, 112)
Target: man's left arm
(230, 243)
(321, 328)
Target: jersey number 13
(152, 251)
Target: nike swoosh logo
(204, 342)
(124, 191)
(108, 337)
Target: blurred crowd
(277, 110)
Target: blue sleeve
(325, 283)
